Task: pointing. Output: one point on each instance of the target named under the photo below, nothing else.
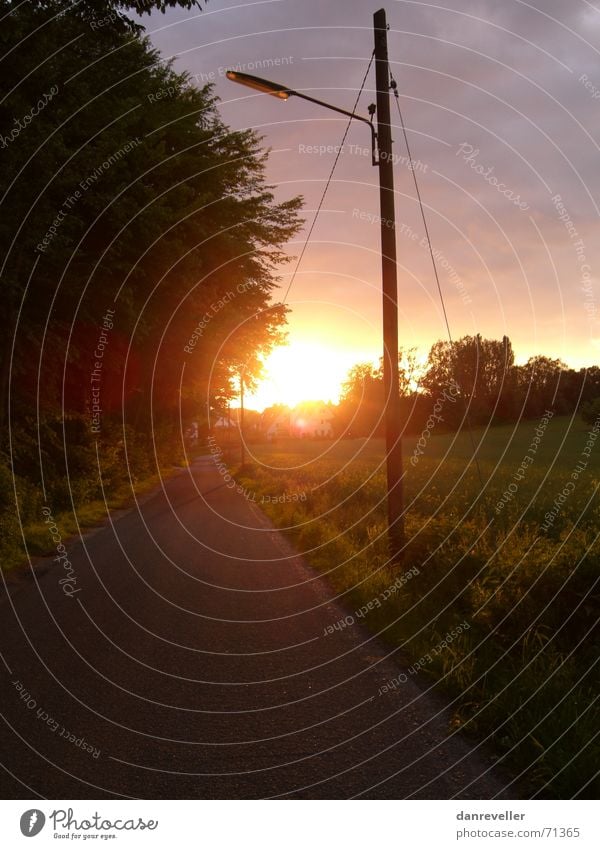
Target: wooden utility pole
(393, 445)
(242, 445)
(393, 442)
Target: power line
(338, 154)
(394, 87)
(417, 190)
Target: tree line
(140, 245)
(487, 387)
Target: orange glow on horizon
(305, 371)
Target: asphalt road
(192, 662)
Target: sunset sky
(512, 87)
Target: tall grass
(525, 671)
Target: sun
(302, 371)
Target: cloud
(505, 78)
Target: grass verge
(502, 614)
(18, 542)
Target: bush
(590, 411)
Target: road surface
(186, 657)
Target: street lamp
(259, 84)
(382, 157)
(283, 93)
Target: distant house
(278, 427)
(312, 419)
(224, 424)
(225, 428)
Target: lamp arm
(281, 91)
(342, 112)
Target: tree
(590, 411)
(362, 398)
(481, 368)
(361, 401)
(539, 383)
(409, 371)
(125, 191)
(70, 73)
(102, 11)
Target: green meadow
(501, 608)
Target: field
(496, 599)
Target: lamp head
(264, 86)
